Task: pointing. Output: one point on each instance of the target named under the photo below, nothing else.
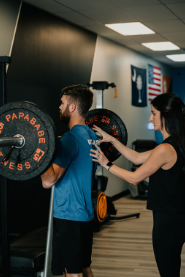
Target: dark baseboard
(119, 195)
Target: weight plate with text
(36, 127)
(112, 124)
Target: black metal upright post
(3, 185)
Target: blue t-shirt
(72, 197)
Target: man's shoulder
(78, 133)
(82, 130)
(68, 138)
(67, 135)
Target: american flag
(154, 82)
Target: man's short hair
(79, 95)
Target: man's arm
(51, 176)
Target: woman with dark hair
(165, 165)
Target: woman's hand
(99, 157)
(106, 137)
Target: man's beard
(65, 116)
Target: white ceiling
(165, 17)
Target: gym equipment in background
(141, 189)
(113, 125)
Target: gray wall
(9, 10)
(112, 63)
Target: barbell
(28, 140)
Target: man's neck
(76, 121)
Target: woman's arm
(159, 157)
(129, 154)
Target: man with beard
(72, 173)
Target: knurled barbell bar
(15, 141)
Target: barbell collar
(11, 141)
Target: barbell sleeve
(11, 141)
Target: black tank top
(166, 191)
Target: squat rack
(4, 213)
(100, 86)
(17, 141)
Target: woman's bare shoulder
(165, 149)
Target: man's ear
(72, 108)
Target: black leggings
(168, 239)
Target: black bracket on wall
(101, 85)
(3, 182)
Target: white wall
(9, 10)
(112, 63)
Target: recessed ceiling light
(161, 46)
(177, 57)
(130, 29)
